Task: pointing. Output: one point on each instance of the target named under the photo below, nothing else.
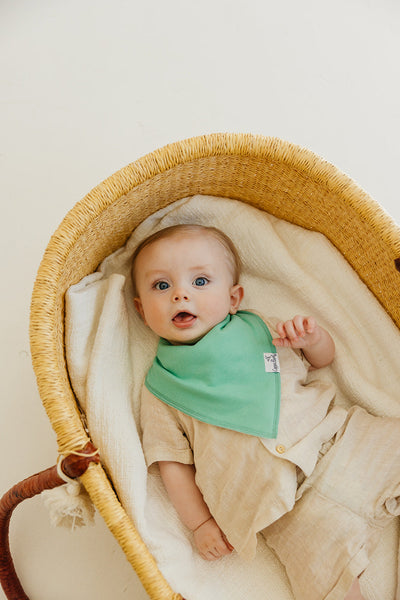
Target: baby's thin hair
(220, 236)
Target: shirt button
(280, 448)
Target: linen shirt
(248, 482)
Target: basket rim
(190, 149)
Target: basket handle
(73, 465)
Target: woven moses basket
(274, 176)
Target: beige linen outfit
(341, 509)
(249, 483)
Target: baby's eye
(161, 285)
(200, 281)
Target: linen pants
(325, 541)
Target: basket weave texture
(287, 181)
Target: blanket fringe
(69, 506)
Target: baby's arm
(179, 481)
(305, 333)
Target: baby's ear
(139, 307)
(237, 293)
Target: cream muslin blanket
(287, 271)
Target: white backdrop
(88, 86)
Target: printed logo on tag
(271, 361)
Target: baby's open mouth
(183, 318)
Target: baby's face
(185, 286)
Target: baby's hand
(210, 541)
(299, 332)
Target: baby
(233, 433)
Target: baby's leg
(326, 540)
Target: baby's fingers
(217, 551)
(286, 330)
(228, 545)
(310, 324)
(299, 324)
(283, 340)
(297, 327)
(304, 325)
(293, 333)
(221, 547)
(211, 541)
(291, 329)
(210, 555)
(280, 329)
(224, 546)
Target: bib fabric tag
(271, 362)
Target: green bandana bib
(229, 378)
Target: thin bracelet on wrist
(203, 523)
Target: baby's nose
(180, 294)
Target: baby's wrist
(202, 523)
